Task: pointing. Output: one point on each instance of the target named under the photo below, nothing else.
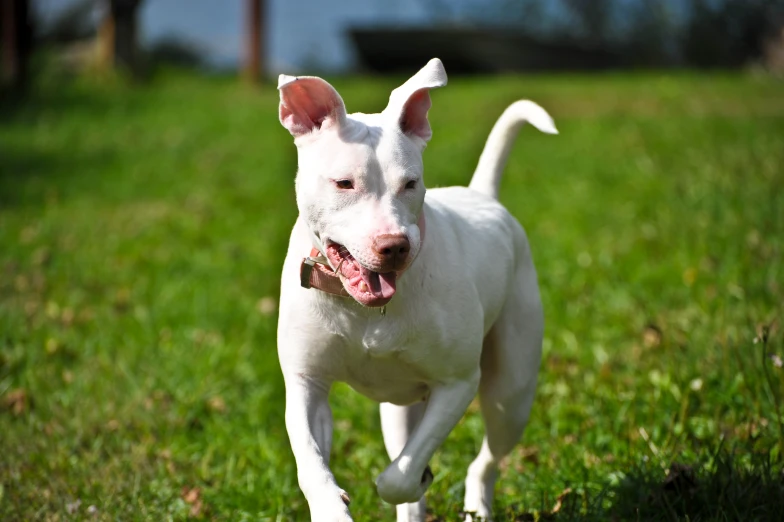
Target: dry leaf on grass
(652, 336)
(559, 501)
(192, 496)
(17, 401)
(216, 404)
(267, 305)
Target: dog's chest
(383, 338)
(380, 337)
(396, 357)
(388, 380)
(383, 359)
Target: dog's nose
(392, 248)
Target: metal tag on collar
(306, 270)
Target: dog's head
(359, 185)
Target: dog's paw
(397, 487)
(332, 518)
(325, 515)
(478, 503)
(333, 508)
(474, 517)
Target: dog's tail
(487, 176)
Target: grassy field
(141, 235)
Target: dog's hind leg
(397, 423)
(510, 364)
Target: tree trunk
(122, 29)
(254, 23)
(17, 41)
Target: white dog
(417, 300)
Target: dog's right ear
(308, 103)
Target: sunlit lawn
(141, 236)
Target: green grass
(141, 227)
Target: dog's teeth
(363, 287)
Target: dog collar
(315, 272)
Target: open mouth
(367, 287)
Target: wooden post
(9, 40)
(16, 41)
(13, 18)
(254, 24)
(106, 40)
(118, 37)
(126, 53)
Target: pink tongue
(381, 285)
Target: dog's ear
(409, 103)
(308, 103)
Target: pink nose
(392, 248)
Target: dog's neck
(315, 271)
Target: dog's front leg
(309, 425)
(407, 477)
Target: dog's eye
(411, 184)
(344, 184)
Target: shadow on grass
(31, 174)
(56, 96)
(39, 156)
(725, 489)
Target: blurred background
(147, 196)
(266, 37)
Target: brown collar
(315, 272)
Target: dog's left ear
(409, 103)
